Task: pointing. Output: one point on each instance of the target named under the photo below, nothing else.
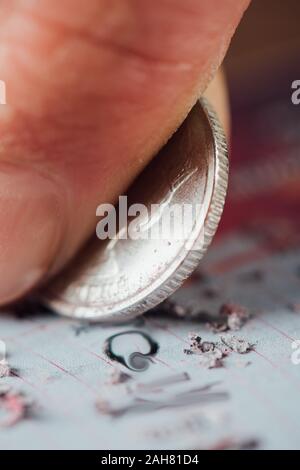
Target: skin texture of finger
(94, 89)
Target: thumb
(93, 90)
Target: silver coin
(118, 279)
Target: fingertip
(30, 231)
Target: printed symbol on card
(295, 356)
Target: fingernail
(30, 229)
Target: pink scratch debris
(233, 444)
(295, 307)
(238, 345)
(15, 405)
(4, 369)
(232, 318)
(210, 353)
(237, 315)
(118, 377)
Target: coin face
(183, 190)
